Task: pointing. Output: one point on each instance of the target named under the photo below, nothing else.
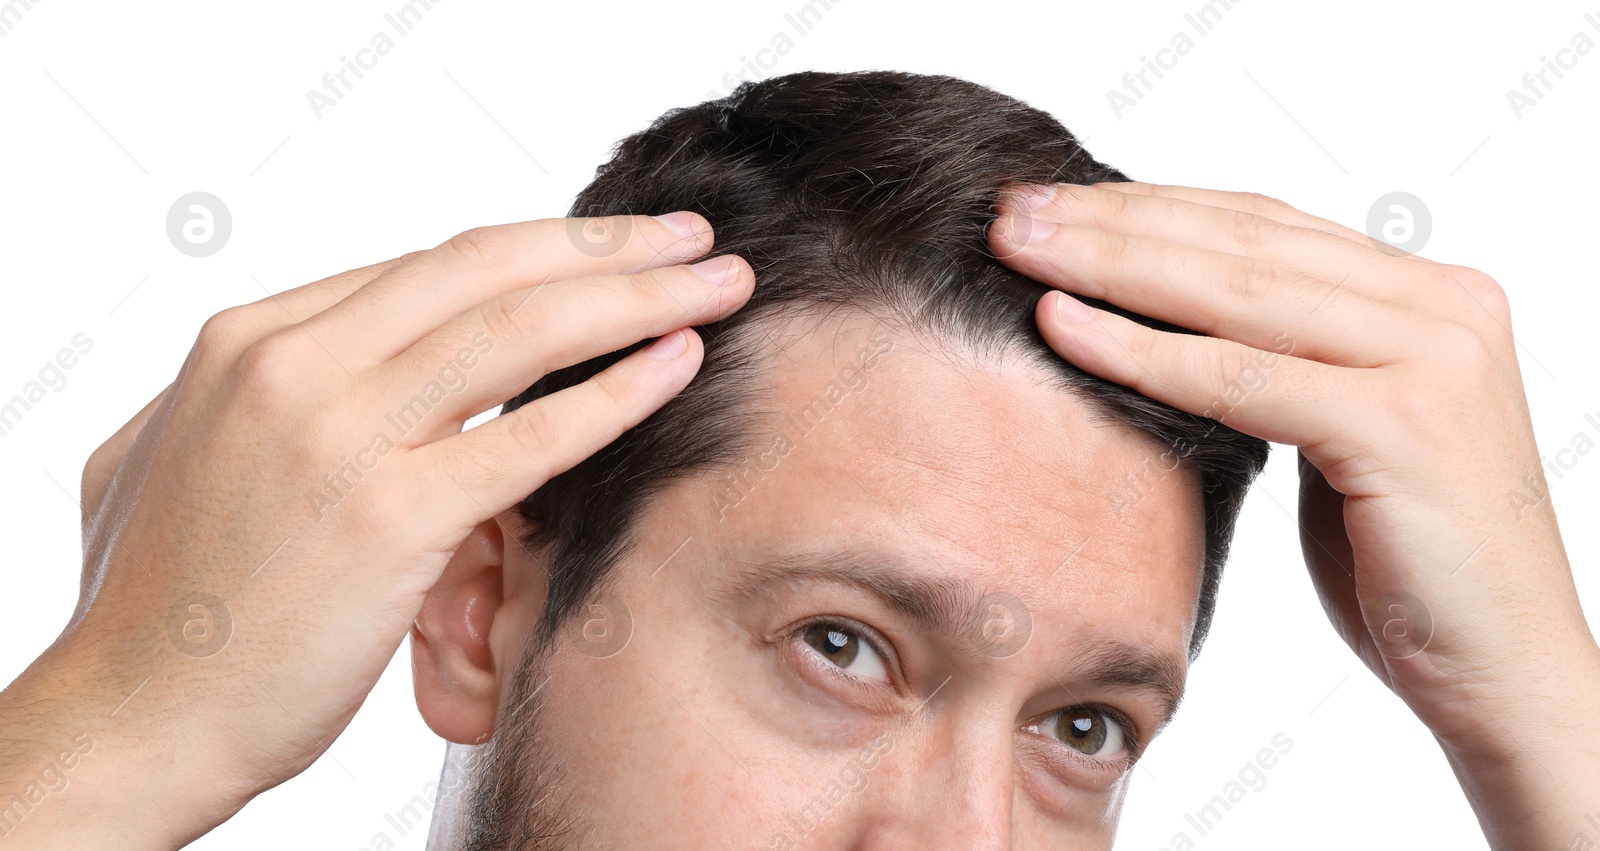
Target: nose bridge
(947, 784)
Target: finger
(1224, 295)
(105, 459)
(494, 352)
(1272, 396)
(1247, 202)
(308, 300)
(1264, 205)
(1307, 251)
(500, 462)
(276, 311)
(400, 307)
(280, 310)
(1329, 561)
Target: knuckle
(480, 246)
(653, 288)
(1110, 249)
(1175, 261)
(1410, 405)
(1246, 366)
(1413, 405)
(470, 471)
(1485, 291)
(94, 470)
(1253, 229)
(1114, 204)
(1461, 348)
(531, 434)
(1229, 365)
(1265, 205)
(223, 333)
(511, 318)
(1250, 280)
(378, 509)
(1143, 348)
(653, 284)
(273, 363)
(409, 259)
(618, 389)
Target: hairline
(974, 344)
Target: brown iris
(838, 646)
(1083, 730)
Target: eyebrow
(950, 607)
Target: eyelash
(861, 631)
(1133, 743)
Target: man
(863, 583)
(883, 457)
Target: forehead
(967, 469)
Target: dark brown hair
(869, 190)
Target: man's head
(888, 573)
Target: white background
(499, 111)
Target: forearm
(1535, 782)
(81, 769)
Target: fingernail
(1071, 311)
(1026, 230)
(717, 270)
(683, 223)
(1028, 196)
(668, 347)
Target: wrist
(1527, 763)
(81, 767)
(1537, 704)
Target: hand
(1423, 512)
(259, 539)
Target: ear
(452, 667)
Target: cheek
(676, 739)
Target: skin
(1401, 393)
(716, 725)
(210, 489)
(1405, 401)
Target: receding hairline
(740, 425)
(968, 342)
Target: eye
(1086, 730)
(846, 649)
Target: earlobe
(452, 664)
